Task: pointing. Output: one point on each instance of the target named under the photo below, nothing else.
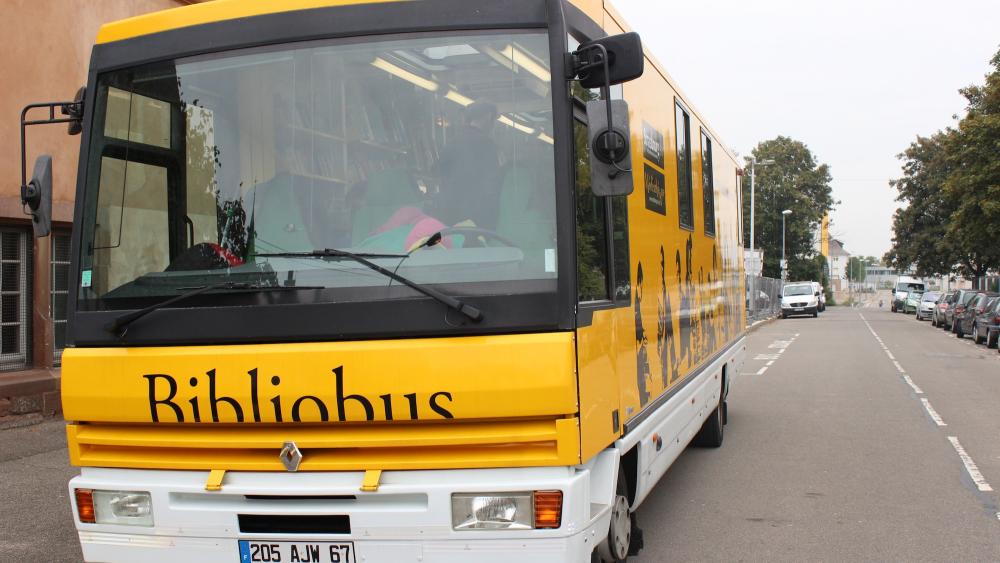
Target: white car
(799, 298)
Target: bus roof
(208, 12)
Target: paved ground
(831, 454)
(35, 519)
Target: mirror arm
(606, 94)
(73, 109)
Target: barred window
(59, 291)
(15, 299)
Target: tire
(712, 431)
(624, 536)
(934, 321)
(975, 334)
(815, 314)
(991, 339)
(958, 330)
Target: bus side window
(598, 278)
(591, 227)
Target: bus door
(605, 359)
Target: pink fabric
(423, 225)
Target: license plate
(257, 551)
(800, 308)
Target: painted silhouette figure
(641, 357)
(665, 329)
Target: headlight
(506, 511)
(130, 508)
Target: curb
(759, 324)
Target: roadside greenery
(795, 181)
(950, 189)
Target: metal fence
(767, 303)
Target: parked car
(982, 322)
(943, 302)
(821, 294)
(966, 320)
(799, 298)
(958, 305)
(928, 303)
(912, 301)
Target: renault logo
(290, 456)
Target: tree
(856, 269)
(795, 181)
(951, 188)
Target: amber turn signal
(548, 509)
(85, 505)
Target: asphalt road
(830, 455)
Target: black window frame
(685, 184)
(617, 259)
(254, 320)
(707, 184)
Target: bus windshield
(909, 286)
(215, 168)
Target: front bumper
(407, 519)
(791, 311)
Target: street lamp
(784, 263)
(753, 295)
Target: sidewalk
(29, 396)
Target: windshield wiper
(362, 258)
(119, 326)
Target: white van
(904, 285)
(799, 298)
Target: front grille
(332, 447)
(798, 304)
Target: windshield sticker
(550, 259)
(85, 278)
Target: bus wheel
(711, 433)
(624, 536)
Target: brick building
(45, 59)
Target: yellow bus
(438, 280)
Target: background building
(45, 59)
(838, 259)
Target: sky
(855, 80)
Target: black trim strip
(294, 524)
(650, 408)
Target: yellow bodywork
(392, 404)
(209, 12)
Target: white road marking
(970, 466)
(767, 357)
(762, 370)
(888, 353)
(913, 385)
(899, 367)
(933, 413)
(771, 362)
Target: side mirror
(37, 195)
(610, 167)
(75, 112)
(817, 294)
(621, 53)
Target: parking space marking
(888, 353)
(898, 367)
(933, 413)
(767, 357)
(762, 370)
(970, 466)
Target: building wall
(45, 59)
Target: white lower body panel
(408, 519)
